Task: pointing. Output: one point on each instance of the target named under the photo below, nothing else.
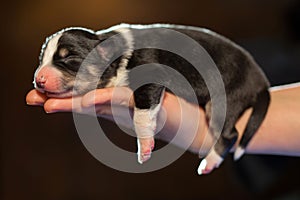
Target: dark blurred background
(42, 156)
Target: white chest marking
(121, 79)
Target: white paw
(238, 153)
(209, 163)
(145, 147)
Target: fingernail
(50, 111)
(33, 103)
(29, 103)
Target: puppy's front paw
(145, 147)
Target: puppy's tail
(258, 114)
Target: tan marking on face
(63, 52)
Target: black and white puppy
(246, 86)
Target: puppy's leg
(217, 154)
(258, 114)
(225, 141)
(147, 105)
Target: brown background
(42, 156)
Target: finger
(120, 115)
(114, 111)
(63, 105)
(116, 95)
(35, 98)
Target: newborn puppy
(69, 50)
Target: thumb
(35, 98)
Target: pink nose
(40, 81)
(48, 79)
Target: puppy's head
(69, 55)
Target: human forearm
(280, 131)
(279, 134)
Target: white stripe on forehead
(50, 49)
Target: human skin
(279, 133)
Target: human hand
(268, 140)
(120, 98)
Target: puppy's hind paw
(211, 161)
(239, 152)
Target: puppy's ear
(110, 45)
(106, 49)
